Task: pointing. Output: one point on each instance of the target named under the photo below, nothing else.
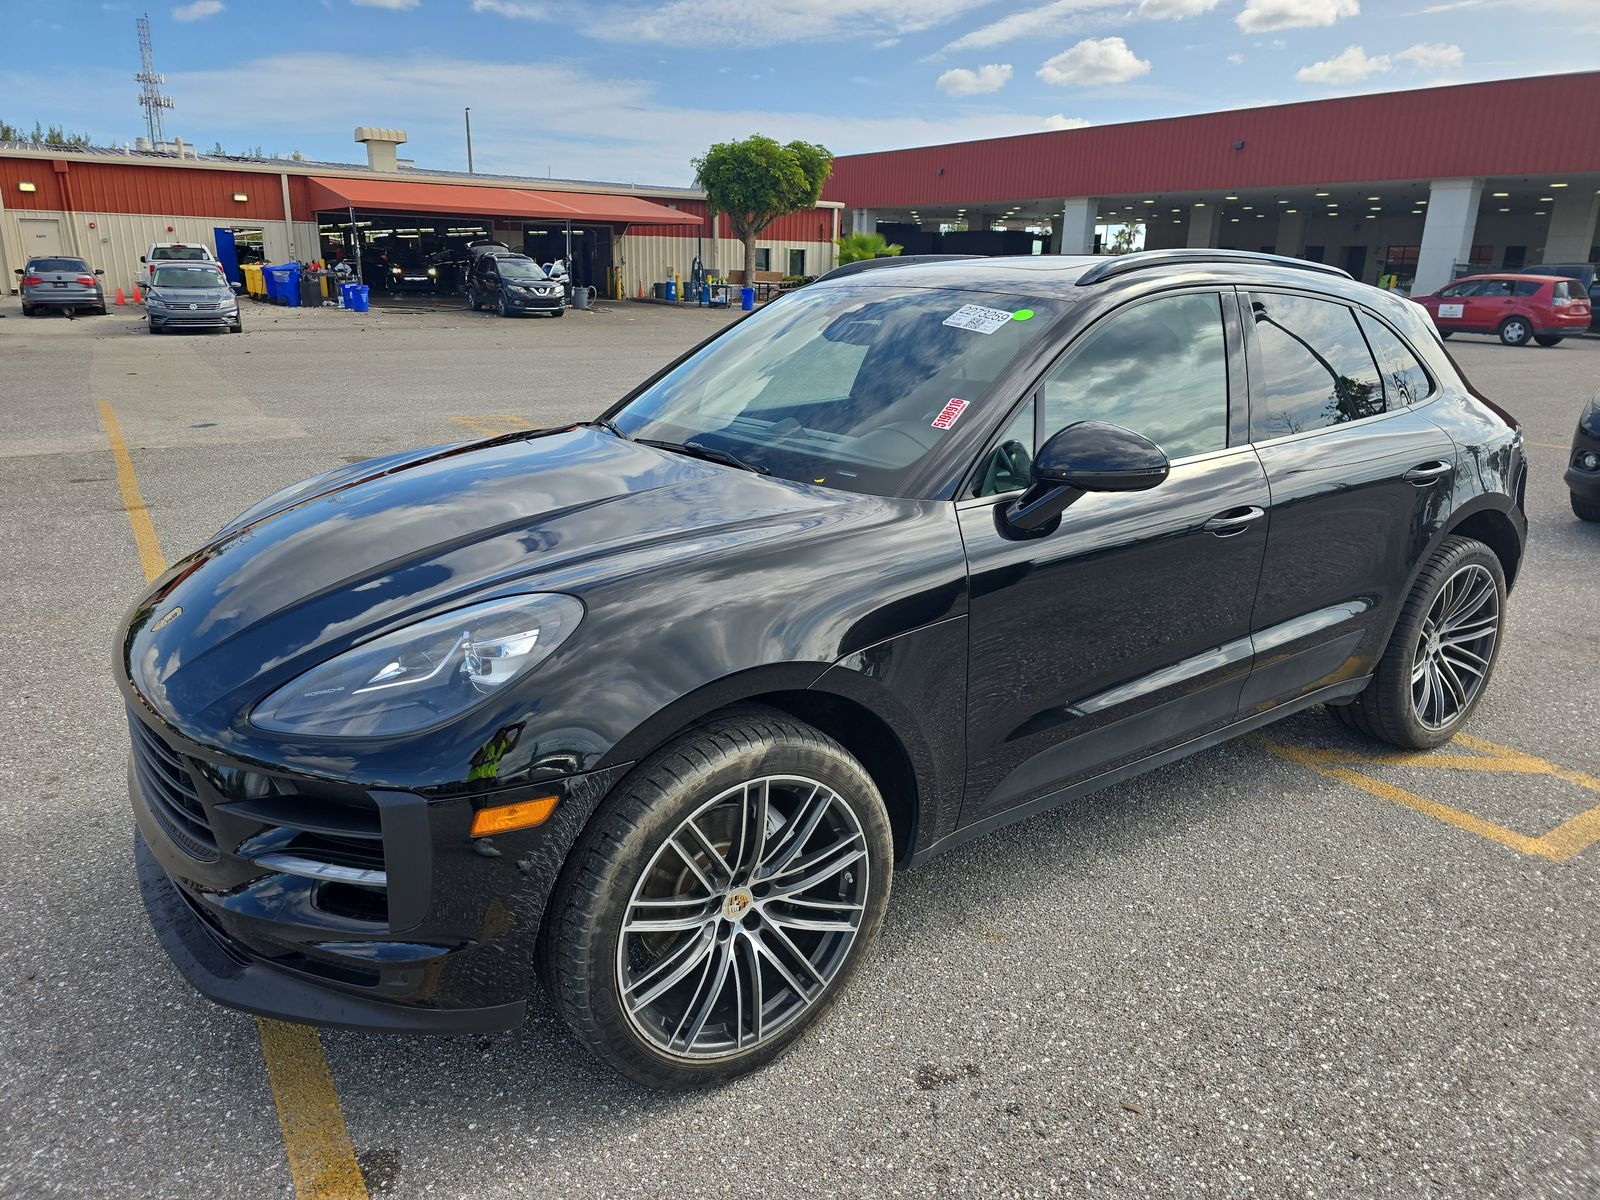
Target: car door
(1451, 310)
(1360, 481)
(1125, 628)
(1488, 305)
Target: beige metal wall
(648, 260)
(118, 239)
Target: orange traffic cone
(120, 300)
(641, 291)
(137, 298)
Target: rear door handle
(1428, 472)
(1234, 520)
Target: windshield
(190, 253)
(517, 268)
(188, 277)
(75, 265)
(849, 385)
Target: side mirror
(1090, 456)
(98, 271)
(19, 271)
(142, 258)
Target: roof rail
(890, 260)
(1125, 264)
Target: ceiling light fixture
(1556, 185)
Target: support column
(1571, 232)
(863, 220)
(1078, 217)
(1203, 227)
(1291, 234)
(1447, 232)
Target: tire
(28, 310)
(1548, 339)
(1446, 334)
(236, 327)
(1515, 331)
(500, 305)
(151, 326)
(560, 312)
(689, 792)
(1584, 509)
(472, 299)
(1399, 705)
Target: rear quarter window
(1405, 380)
(1314, 367)
(1526, 287)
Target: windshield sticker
(978, 319)
(951, 412)
(1022, 314)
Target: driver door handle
(1428, 472)
(1234, 520)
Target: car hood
(170, 295)
(384, 543)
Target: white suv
(160, 252)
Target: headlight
(424, 673)
(395, 270)
(433, 271)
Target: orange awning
(384, 195)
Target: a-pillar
(1447, 232)
(1291, 234)
(863, 220)
(1204, 221)
(1078, 218)
(1571, 233)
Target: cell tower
(151, 99)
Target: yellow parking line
(495, 426)
(1547, 445)
(321, 1158)
(1565, 841)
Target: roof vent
(380, 146)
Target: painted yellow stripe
(144, 533)
(321, 1158)
(495, 426)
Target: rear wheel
(1584, 509)
(719, 901)
(1548, 339)
(1441, 654)
(28, 310)
(1515, 331)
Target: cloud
(701, 23)
(1262, 16)
(1236, 59)
(392, 5)
(1093, 61)
(1057, 121)
(959, 81)
(1353, 64)
(197, 11)
(517, 10)
(1431, 56)
(1065, 16)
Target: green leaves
(756, 181)
(854, 247)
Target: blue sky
(629, 91)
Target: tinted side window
(1159, 368)
(1495, 287)
(1526, 287)
(1404, 380)
(1315, 371)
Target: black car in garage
(652, 708)
(513, 285)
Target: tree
(756, 181)
(1123, 242)
(54, 135)
(854, 247)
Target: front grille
(169, 789)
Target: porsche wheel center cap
(737, 904)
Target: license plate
(1452, 310)
(60, 284)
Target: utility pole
(469, 140)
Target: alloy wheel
(1455, 647)
(743, 917)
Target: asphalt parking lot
(1292, 966)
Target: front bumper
(184, 319)
(444, 944)
(1580, 482)
(522, 302)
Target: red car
(1519, 308)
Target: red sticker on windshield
(950, 414)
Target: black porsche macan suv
(651, 708)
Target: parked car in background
(191, 295)
(1518, 308)
(160, 252)
(1585, 273)
(653, 707)
(513, 284)
(1583, 469)
(58, 281)
(410, 273)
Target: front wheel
(1446, 334)
(501, 307)
(560, 312)
(1441, 654)
(1515, 331)
(152, 327)
(472, 299)
(1548, 339)
(719, 901)
(1585, 509)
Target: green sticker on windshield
(1022, 314)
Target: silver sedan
(61, 282)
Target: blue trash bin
(286, 284)
(672, 292)
(361, 297)
(347, 293)
(747, 298)
(270, 282)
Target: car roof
(64, 257)
(1519, 275)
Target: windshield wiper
(610, 426)
(696, 449)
